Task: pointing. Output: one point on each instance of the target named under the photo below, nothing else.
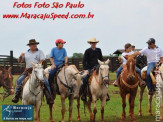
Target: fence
(17, 68)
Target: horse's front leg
(37, 112)
(123, 95)
(78, 107)
(150, 104)
(95, 109)
(63, 107)
(103, 101)
(51, 112)
(70, 108)
(140, 99)
(132, 100)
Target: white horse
(33, 90)
(99, 88)
(159, 94)
(69, 83)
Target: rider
(36, 56)
(128, 51)
(154, 54)
(90, 61)
(58, 57)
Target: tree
(77, 55)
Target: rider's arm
(66, 60)
(65, 57)
(85, 57)
(21, 57)
(161, 60)
(136, 54)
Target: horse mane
(73, 66)
(130, 58)
(97, 69)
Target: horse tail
(128, 96)
(85, 103)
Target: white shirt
(153, 55)
(123, 56)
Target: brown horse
(128, 87)
(6, 81)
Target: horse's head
(131, 67)
(6, 79)
(76, 81)
(38, 71)
(104, 70)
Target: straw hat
(93, 40)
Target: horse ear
(107, 62)
(9, 69)
(33, 64)
(99, 62)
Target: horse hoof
(140, 114)
(150, 114)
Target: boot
(84, 95)
(116, 82)
(17, 94)
(49, 99)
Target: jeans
(150, 67)
(52, 74)
(22, 77)
(119, 71)
(85, 79)
(121, 67)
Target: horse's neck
(32, 80)
(99, 77)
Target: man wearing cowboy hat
(36, 56)
(90, 61)
(154, 54)
(58, 57)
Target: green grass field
(113, 108)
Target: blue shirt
(58, 55)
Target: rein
(65, 85)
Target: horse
(69, 83)
(159, 89)
(33, 90)
(6, 81)
(128, 87)
(98, 88)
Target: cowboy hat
(93, 40)
(32, 41)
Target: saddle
(153, 74)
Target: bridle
(39, 84)
(107, 76)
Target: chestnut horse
(128, 87)
(6, 81)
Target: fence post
(11, 58)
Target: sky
(115, 23)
